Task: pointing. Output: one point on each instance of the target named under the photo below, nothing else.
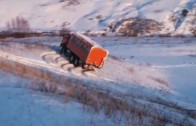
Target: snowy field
(22, 106)
(154, 72)
(144, 81)
(97, 15)
(175, 57)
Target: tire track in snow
(43, 65)
(40, 64)
(175, 66)
(57, 60)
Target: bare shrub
(139, 26)
(64, 29)
(115, 57)
(18, 24)
(112, 26)
(62, 1)
(87, 33)
(165, 35)
(159, 80)
(116, 107)
(131, 70)
(104, 34)
(193, 30)
(71, 2)
(173, 18)
(99, 17)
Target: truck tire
(62, 45)
(72, 58)
(76, 62)
(62, 48)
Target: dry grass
(114, 58)
(71, 2)
(160, 80)
(19, 35)
(138, 26)
(95, 101)
(193, 30)
(128, 112)
(18, 24)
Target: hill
(127, 17)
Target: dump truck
(83, 51)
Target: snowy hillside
(145, 81)
(22, 106)
(101, 15)
(141, 83)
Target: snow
(134, 71)
(157, 75)
(45, 55)
(22, 106)
(87, 15)
(183, 81)
(173, 56)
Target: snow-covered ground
(154, 76)
(142, 71)
(175, 57)
(97, 15)
(22, 106)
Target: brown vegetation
(18, 24)
(129, 112)
(19, 35)
(139, 26)
(64, 29)
(193, 30)
(71, 2)
(161, 81)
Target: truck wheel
(68, 53)
(72, 58)
(83, 65)
(76, 62)
(61, 50)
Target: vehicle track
(42, 64)
(57, 60)
(176, 66)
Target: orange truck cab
(83, 51)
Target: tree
(18, 24)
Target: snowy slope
(175, 57)
(144, 86)
(22, 106)
(85, 15)
(154, 74)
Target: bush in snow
(64, 29)
(18, 24)
(70, 2)
(193, 29)
(139, 26)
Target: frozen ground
(22, 106)
(97, 15)
(155, 76)
(142, 71)
(175, 57)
